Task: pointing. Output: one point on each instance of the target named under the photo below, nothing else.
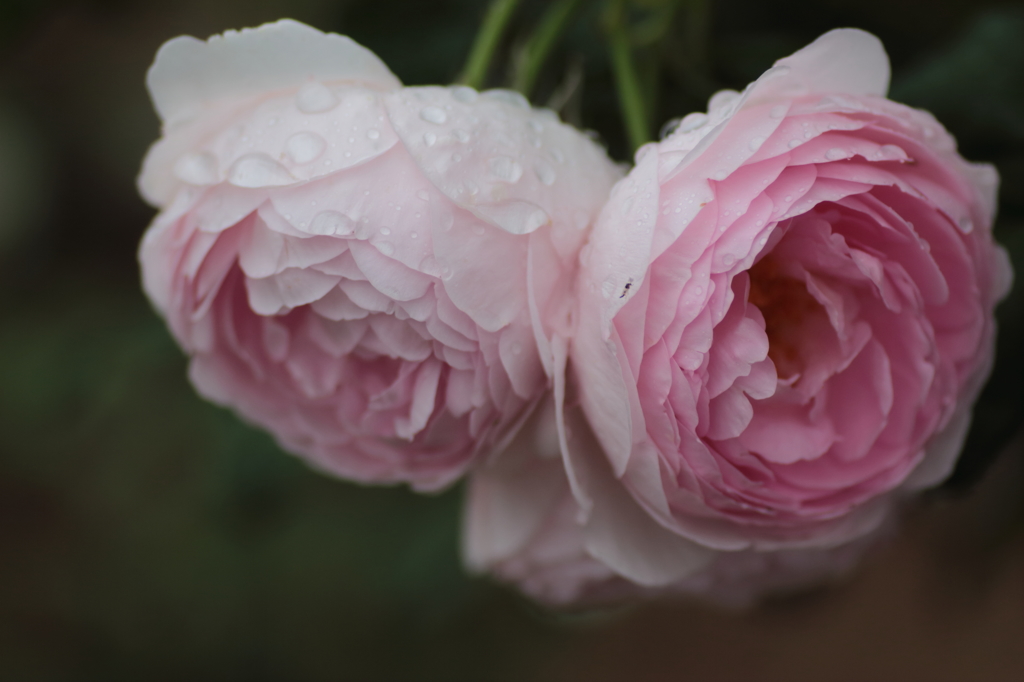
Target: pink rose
(370, 272)
(785, 313)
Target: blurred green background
(145, 534)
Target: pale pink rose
(785, 314)
(371, 272)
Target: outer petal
(198, 87)
(191, 75)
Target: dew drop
(461, 135)
(608, 288)
(721, 99)
(197, 169)
(517, 348)
(332, 223)
(545, 173)
(423, 194)
(692, 122)
(965, 224)
(433, 115)
(258, 170)
(305, 147)
(778, 111)
(699, 290)
(535, 125)
(387, 248)
(464, 94)
(385, 231)
(890, 152)
(670, 127)
(794, 143)
(728, 259)
(835, 154)
(315, 98)
(557, 155)
(755, 144)
(505, 168)
(373, 133)
(430, 266)
(429, 139)
(509, 97)
(720, 174)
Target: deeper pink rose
(785, 315)
(369, 271)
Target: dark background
(145, 534)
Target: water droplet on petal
(692, 122)
(305, 147)
(720, 174)
(430, 266)
(197, 169)
(545, 173)
(332, 223)
(965, 224)
(385, 231)
(258, 170)
(461, 135)
(698, 290)
(505, 168)
(464, 94)
(373, 133)
(608, 288)
(835, 154)
(509, 97)
(535, 125)
(778, 111)
(433, 115)
(387, 248)
(728, 259)
(423, 194)
(670, 127)
(429, 139)
(794, 143)
(557, 155)
(756, 143)
(315, 98)
(722, 98)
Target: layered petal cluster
(371, 272)
(785, 314)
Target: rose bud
(370, 272)
(785, 314)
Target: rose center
(786, 305)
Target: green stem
(538, 47)
(479, 61)
(631, 100)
